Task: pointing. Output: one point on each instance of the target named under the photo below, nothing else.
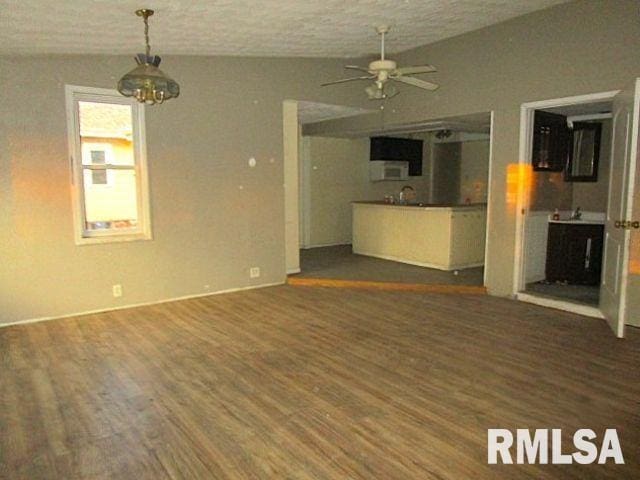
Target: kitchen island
(446, 237)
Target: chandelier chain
(146, 35)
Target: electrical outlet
(117, 290)
(254, 272)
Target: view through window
(109, 179)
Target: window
(108, 166)
(99, 154)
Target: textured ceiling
(311, 28)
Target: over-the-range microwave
(388, 170)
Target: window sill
(114, 238)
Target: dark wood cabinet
(574, 253)
(550, 142)
(403, 149)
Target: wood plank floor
(310, 383)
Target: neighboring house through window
(109, 177)
(96, 154)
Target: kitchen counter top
(453, 206)
(579, 222)
(587, 218)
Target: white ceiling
(311, 28)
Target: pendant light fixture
(147, 83)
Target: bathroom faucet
(577, 214)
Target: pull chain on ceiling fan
(383, 70)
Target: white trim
(74, 94)
(143, 304)
(421, 264)
(489, 196)
(585, 310)
(631, 182)
(293, 271)
(524, 154)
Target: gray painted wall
(207, 231)
(572, 49)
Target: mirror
(584, 152)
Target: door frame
(523, 195)
(291, 184)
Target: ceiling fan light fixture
(374, 92)
(390, 90)
(381, 91)
(386, 72)
(146, 82)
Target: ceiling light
(147, 83)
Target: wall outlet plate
(117, 290)
(254, 272)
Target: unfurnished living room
(291, 239)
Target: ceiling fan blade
(415, 70)
(356, 67)
(368, 77)
(416, 82)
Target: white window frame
(83, 236)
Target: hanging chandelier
(147, 83)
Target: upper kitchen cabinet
(398, 149)
(550, 142)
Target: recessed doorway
(359, 226)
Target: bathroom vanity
(574, 251)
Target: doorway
(335, 175)
(566, 226)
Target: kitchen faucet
(407, 193)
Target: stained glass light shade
(147, 83)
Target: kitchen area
(403, 206)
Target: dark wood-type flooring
(310, 383)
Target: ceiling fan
(383, 70)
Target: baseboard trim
(584, 310)
(389, 286)
(320, 245)
(143, 304)
(293, 271)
